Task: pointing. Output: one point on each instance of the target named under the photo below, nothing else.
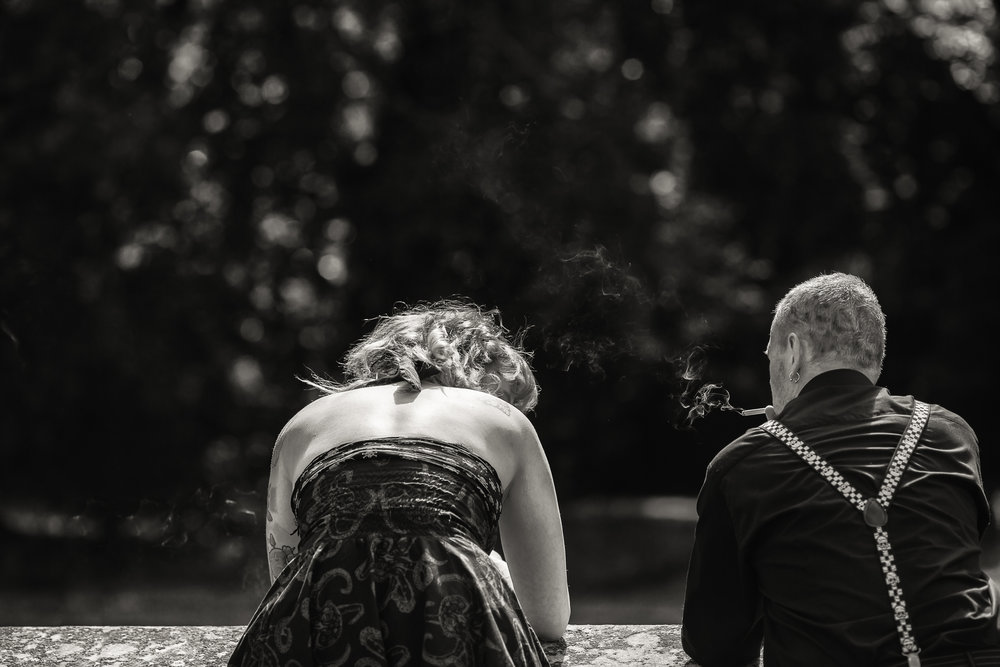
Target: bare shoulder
(301, 429)
(313, 411)
(507, 429)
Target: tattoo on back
(496, 403)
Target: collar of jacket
(839, 377)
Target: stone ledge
(210, 646)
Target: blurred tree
(201, 199)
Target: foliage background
(202, 199)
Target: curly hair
(456, 342)
(840, 315)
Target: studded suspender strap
(874, 510)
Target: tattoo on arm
(278, 556)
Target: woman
(384, 503)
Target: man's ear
(795, 349)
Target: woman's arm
(532, 538)
(280, 526)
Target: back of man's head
(840, 317)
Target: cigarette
(753, 412)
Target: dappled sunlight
(356, 85)
(955, 31)
(190, 65)
(278, 229)
(664, 186)
(357, 122)
(657, 124)
(632, 69)
(332, 265)
(298, 298)
(246, 375)
(348, 23)
(274, 89)
(144, 240)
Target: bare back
(484, 424)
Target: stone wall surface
(210, 646)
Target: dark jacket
(781, 556)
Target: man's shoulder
(736, 451)
(940, 417)
(953, 419)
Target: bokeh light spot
(332, 266)
(215, 121)
(252, 330)
(656, 124)
(357, 121)
(513, 96)
(348, 23)
(130, 68)
(246, 375)
(662, 6)
(337, 229)
(632, 69)
(365, 154)
(356, 85)
(274, 89)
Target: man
(804, 541)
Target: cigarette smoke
(709, 396)
(598, 311)
(602, 314)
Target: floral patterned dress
(393, 566)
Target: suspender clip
(875, 515)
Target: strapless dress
(393, 566)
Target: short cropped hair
(840, 316)
(459, 343)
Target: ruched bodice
(393, 566)
(398, 486)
